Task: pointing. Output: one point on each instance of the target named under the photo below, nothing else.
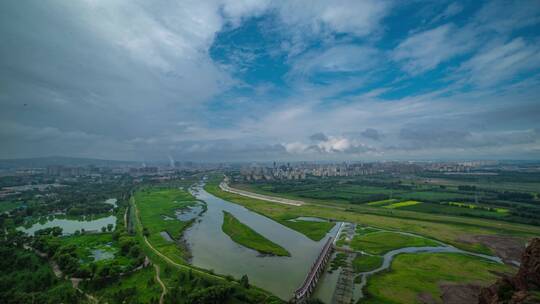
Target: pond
(212, 249)
(69, 226)
(111, 201)
(190, 212)
(308, 219)
(101, 254)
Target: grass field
(447, 228)
(382, 242)
(313, 230)
(412, 274)
(402, 204)
(363, 263)
(247, 237)
(365, 230)
(381, 203)
(85, 243)
(451, 209)
(154, 204)
(378, 189)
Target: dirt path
(125, 219)
(59, 274)
(163, 287)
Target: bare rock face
(524, 287)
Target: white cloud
(341, 58)
(424, 51)
(345, 16)
(501, 61)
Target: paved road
(223, 186)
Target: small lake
(308, 219)
(100, 254)
(111, 201)
(212, 249)
(69, 226)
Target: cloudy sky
(270, 80)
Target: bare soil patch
(426, 298)
(460, 293)
(506, 247)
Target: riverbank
(283, 214)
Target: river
(212, 249)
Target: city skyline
(269, 80)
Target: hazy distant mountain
(59, 160)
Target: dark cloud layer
(135, 80)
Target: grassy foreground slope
(449, 229)
(245, 236)
(412, 274)
(313, 230)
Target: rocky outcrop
(524, 287)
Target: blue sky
(270, 80)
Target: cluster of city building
(303, 170)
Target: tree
(244, 281)
(110, 227)
(103, 229)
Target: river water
(212, 249)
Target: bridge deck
(314, 272)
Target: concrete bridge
(301, 295)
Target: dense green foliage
(28, 278)
(189, 288)
(245, 236)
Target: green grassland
(103, 241)
(365, 230)
(153, 205)
(402, 204)
(381, 203)
(247, 237)
(458, 210)
(363, 262)
(411, 274)
(384, 241)
(313, 230)
(448, 229)
(372, 191)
